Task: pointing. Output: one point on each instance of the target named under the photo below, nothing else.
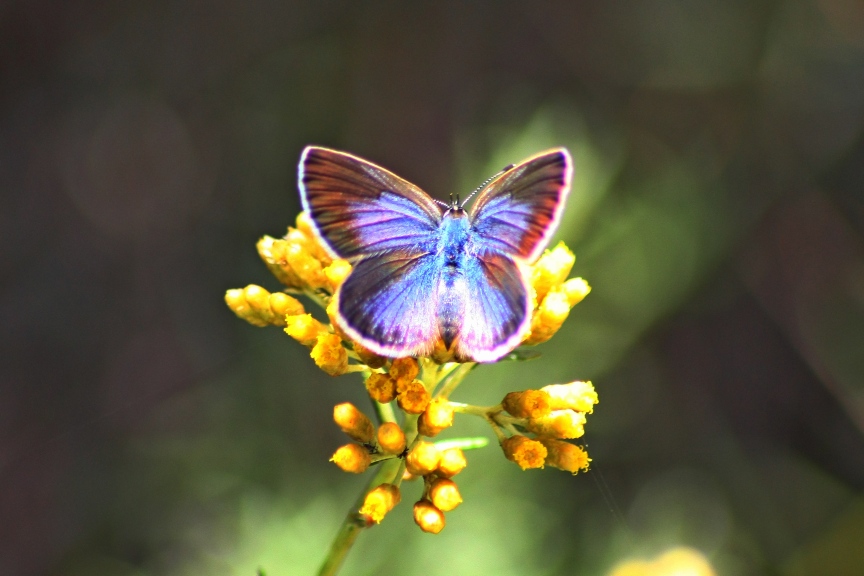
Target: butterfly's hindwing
(495, 304)
(388, 303)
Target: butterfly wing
(518, 212)
(389, 303)
(359, 208)
(496, 307)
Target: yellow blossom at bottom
(679, 561)
(380, 501)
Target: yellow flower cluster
(554, 294)
(553, 414)
(421, 387)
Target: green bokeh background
(717, 212)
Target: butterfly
(426, 275)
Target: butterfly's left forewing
(359, 208)
(517, 213)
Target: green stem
(454, 378)
(353, 523)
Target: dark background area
(717, 212)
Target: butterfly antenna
(441, 202)
(487, 181)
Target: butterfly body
(428, 278)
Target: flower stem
(353, 523)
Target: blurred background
(717, 212)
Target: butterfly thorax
(455, 235)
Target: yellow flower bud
(551, 269)
(353, 422)
(312, 242)
(304, 328)
(352, 458)
(272, 252)
(565, 456)
(527, 404)
(379, 501)
(404, 370)
(428, 517)
(559, 424)
(259, 300)
(525, 452)
(412, 397)
(259, 307)
(306, 266)
(437, 416)
(332, 315)
(575, 289)
(579, 396)
(236, 301)
(391, 438)
(329, 354)
(336, 273)
(423, 459)
(381, 387)
(452, 462)
(282, 305)
(444, 494)
(548, 317)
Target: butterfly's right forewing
(359, 208)
(517, 213)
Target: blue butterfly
(427, 274)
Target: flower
(444, 494)
(391, 438)
(524, 451)
(353, 422)
(428, 517)
(329, 354)
(423, 459)
(379, 501)
(564, 455)
(352, 458)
